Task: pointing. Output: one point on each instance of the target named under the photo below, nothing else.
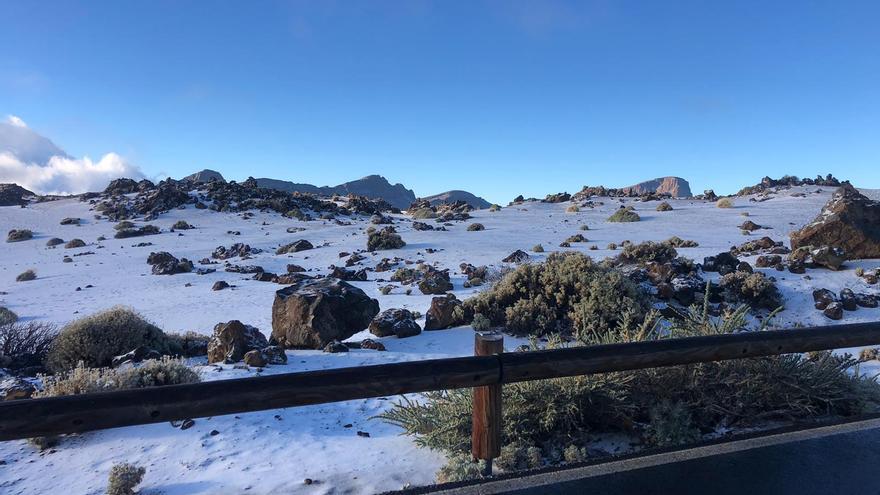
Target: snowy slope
(264, 454)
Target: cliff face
(674, 186)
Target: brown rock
(442, 313)
(315, 312)
(232, 340)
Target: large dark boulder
(849, 222)
(315, 312)
(442, 313)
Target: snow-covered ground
(274, 451)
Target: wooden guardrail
(485, 372)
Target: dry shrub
(724, 203)
(123, 478)
(567, 293)
(751, 288)
(644, 252)
(423, 213)
(24, 344)
(150, 373)
(386, 238)
(94, 340)
(7, 316)
(26, 276)
(18, 235)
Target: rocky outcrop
(371, 186)
(232, 340)
(445, 312)
(315, 312)
(849, 222)
(456, 195)
(205, 175)
(675, 187)
(13, 195)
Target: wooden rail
(73, 414)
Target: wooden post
(486, 431)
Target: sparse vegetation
(751, 288)
(480, 323)
(7, 316)
(724, 203)
(123, 225)
(26, 276)
(624, 214)
(94, 340)
(664, 206)
(181, 225)
(643, 252)
(573, 209)
(138, 232)
(474, 227)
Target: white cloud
(63, 175)
(16, 121)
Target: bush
(538, 248)
(423, 213)
(7, 316)
(475, 227)
(678, 242)
(386, 238)
(123, 478)
(626, 214)
(662, 406)
(585, 227)
(18, 235)
(647, 251)
(724, 203)
(123, 225)
(188, 344)
(23, 344)
(150, 373)
(573, 209)
(460, 467)
(54, 242)
(567, 293)
(664, 206)
(751, 288)
(494, 207)
(577, 238)
(181, 225)
(480, 323)
(94, 340)
(26, 276)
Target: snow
(274, 451)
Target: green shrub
(18, 235)
(460, 467)
(480, 323)
(671, 425)
(386, 238)
(860, 271)
(678, 242)
(724, 203)
(26, 276)
(647, 251)
(567, 293)
(123, 478)
(624, 215)
(664, 206)
(494, 207)
(188, 344)
(94, 340)
(577, 238)
(181, 225)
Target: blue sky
(497, 97)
